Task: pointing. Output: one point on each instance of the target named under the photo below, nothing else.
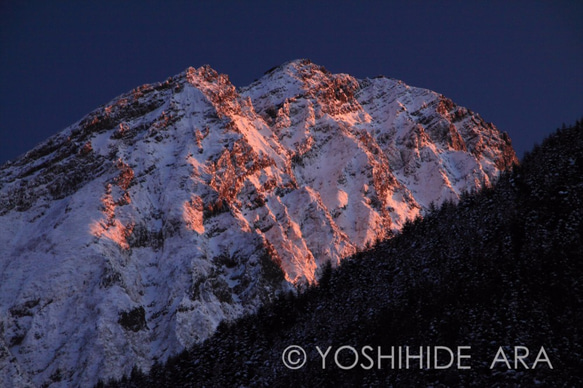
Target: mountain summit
(134, 232)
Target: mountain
(134, 232)
(498, 272)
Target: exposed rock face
(131, 234)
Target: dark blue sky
(517, 63)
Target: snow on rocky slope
(131, 234)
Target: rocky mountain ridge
(132, 233)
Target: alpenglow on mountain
(133, 233)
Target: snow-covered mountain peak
(301, 79)
(301, 69)
(215, 86)
(134, 232)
